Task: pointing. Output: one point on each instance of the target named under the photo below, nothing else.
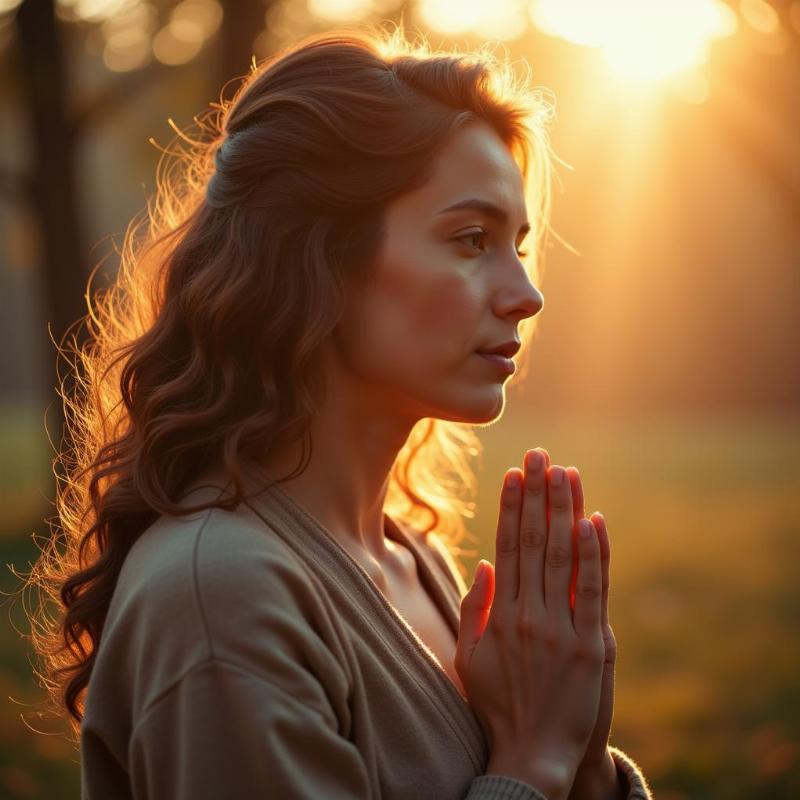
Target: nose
(520, 300)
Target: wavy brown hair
(206, 347)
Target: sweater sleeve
(633, 785)
(501, 787)
(221, 731)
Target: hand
(597, 766)
(531, 664)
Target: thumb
(475, 607)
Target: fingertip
(545, 454)
(574, 478)
(512, 478)
(576, 488)
(599, 522)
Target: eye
(473, 235)
(480, 234)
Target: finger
(578, 512)
(558, 556)
(547, 459)
(533, 534)
(605, 713)
(605, 560)
(595, 750)
(545, 454)
(475, 607)
(578, 509)
(586, 618)
(507, 540)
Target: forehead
(475, 162)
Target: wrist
(600, 781)
(552, 778)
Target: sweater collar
(321, 551)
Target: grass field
(704, 522)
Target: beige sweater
(247, 655)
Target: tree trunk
(54, 187)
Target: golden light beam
(642, 40)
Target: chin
(479, 409)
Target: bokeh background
(665, 366)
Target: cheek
(430, 305)
(449, 307)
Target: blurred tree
(52, 185)
(55, 134)
(241, 24)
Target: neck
(355, 439)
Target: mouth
(500, 362)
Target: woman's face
(446, 284)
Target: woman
(261, 591)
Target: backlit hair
(206, 347)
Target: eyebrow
(487, 208)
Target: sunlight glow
(500, 19)
(191, 24)
(768, 36)
(97, 10)
(176, 43)
(127, 38)
(760, 15)
(691, 86)
(642, 40)
(794, 15)
(339, 9)
(201, 18)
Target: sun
(641, 39)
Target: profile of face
(447, 282)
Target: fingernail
(512, 480)
(533, 460)
(556, 474)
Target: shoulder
(210, 556)
(222, 585)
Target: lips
(507, 349)
(505, 364)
